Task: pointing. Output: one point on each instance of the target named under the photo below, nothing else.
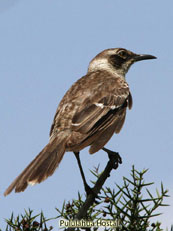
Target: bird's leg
(88, 190)
(112, 154)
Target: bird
(91, 111)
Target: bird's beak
(143, 57)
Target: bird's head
(116, 60)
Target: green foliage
(129, 206)
(27, 222)
(125, 204)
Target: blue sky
(45, 46)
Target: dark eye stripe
(117, 60)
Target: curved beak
(143, 57)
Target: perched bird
(91, 111)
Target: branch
(96, 189)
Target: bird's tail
(41, 167)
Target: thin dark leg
(86, 186)
(115, 154)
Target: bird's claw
(114, 156)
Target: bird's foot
(113, 156)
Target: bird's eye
(122, 54)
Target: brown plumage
(88, 115)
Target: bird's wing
(105, 107)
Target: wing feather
(87, 118)
(98, 113)
(102, 139)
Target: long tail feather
(41, 167)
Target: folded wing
(103, 114)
